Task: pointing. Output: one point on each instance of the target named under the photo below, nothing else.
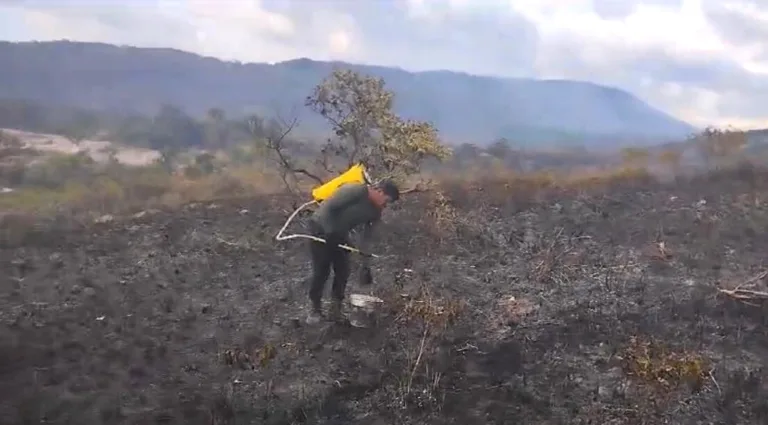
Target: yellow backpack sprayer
(356, 174)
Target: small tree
(206, 163)
(168, 158)
(203, 164)
(215, 129)
(500, 149)
(365, 130)
(359, 110)
(716, 145)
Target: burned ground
(194, 316)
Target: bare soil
(195, 316)
(98, 150)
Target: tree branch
(275, 143)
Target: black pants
(324, 257)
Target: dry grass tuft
(433, 312)
(551, 258)
(514, 310)
(238, 357)
(442, 214)
(657, 365)
(433, 315)
(659, 251)
(265, 354)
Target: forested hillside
(463, 107)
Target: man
(350, 206)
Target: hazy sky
(705, 61)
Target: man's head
(383, 193)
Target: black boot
(336, 312)
(315, 313)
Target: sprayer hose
(282, 237)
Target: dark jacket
(346, 209)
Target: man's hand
(366, 278)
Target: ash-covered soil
(196, 316)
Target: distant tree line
(171, 128)
(357, 108)
(363, 127)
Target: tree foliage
(500, 149)
(203, 164)
(716, 144)
(359, 109)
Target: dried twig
(712, 377)
(748, 296)
(418, 359)
(233, 244)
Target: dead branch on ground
(745, 295)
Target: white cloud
(248, 15)
(705, 61)
(668, 52)
(339, 41)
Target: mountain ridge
(464, 107)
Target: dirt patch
(153, 319)
(99, 150)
